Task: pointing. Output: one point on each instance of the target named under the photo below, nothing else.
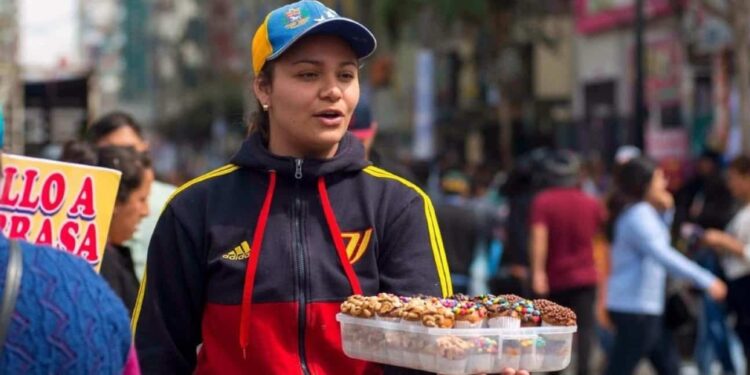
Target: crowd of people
(245, 266)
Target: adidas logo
(240, 252)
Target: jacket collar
(253, 153)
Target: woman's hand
(717, 290)
(713, 238)
(540, 284)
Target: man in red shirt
(564, 221)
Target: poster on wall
(62, 205)
(594, 16)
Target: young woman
(247, 266)
(131, 207)
(641, 258)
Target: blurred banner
(424, 106)
(599, 15)
(63, 205)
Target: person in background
(131, 206)
(65, 318)
(523, 183)
(641, 258)
(460, 228)
(365, 128)
(706, 201)
(121, 129)
(564, 221)
(733, 245)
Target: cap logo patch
(295, 18)
(327, 15)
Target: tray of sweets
(477, 335)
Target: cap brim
(358, 36)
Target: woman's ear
(262, 90)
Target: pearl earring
(265, 107)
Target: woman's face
(738, 184)
(312, 96)
(658, 186)
(128, 214)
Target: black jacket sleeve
(412, 259)
(167, 317)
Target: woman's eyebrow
(318, 62)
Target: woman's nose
(331, 90)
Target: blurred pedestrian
(247, 267)
(121, 129)
(459, 227)
(62, 317)
(524, 182)
(641, 257)
(365, 128)
(564, 221)
(131, 206)
(705, 200)
(734, 247)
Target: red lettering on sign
(45, 233)
(87, 249)
(68, 235)
(53, 193)
(10, 176)
(30, 176)
(19, 227)
(84, 203)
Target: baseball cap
(284, 26)
(362, 125)
(455, 182)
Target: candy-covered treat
(389, 307)
(363, 339)
(512, 298)
(460, 297)
(558, 346)
(555, 315)
(360, 306)
(483, 356)
(469, 315)
(500, 314)
(452, 354)
(412, 311)
(483, 298)
(530, 316)
(437, 316)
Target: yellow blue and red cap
(286, 25)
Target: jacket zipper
(301, 279)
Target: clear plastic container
(456, 351)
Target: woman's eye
(308, 75)
(347, 75)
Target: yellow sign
(63, 205)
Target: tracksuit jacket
(248, 264)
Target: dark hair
(131, 163)
(259, 121)
(631, 183)
(741, 165)
(110, 122)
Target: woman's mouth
(330, 117)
